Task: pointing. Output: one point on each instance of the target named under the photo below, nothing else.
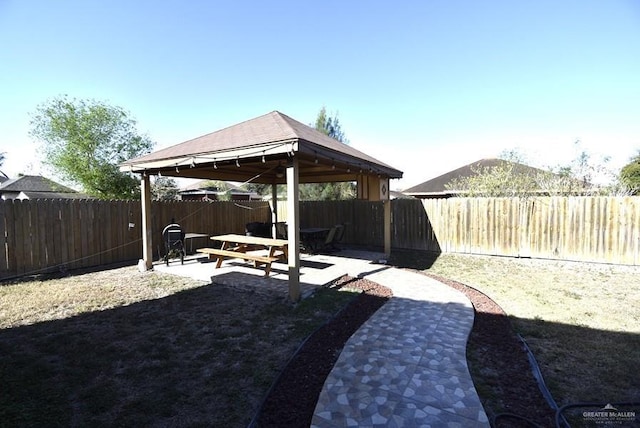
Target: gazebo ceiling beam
(277, 149)
(247, 176)
(313, 169)
(315, 160)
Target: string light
(263, 159)
(238, 161)
(215, 166)
(177, 170)
(193, 162)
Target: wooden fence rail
(594, 229)
(39, 236)
(51, 235)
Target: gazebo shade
(258, 150)
(269, 149)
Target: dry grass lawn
(582, 320)
(124, 348)
(120, 347)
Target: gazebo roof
(257, 150)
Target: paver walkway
(406, 366)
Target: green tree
(83, 141)
(584, 175)
(329, 125)
(222, 188)
(259, 188)
(2, 157)
(630, 175)
(513, 178)
(164, 189)
(510, 178)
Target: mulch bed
(293, 398)
(493, 347)
(499, 355)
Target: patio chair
(257, 228)
(333, 237)
(173, 237)
(339, 235)
(281, 230)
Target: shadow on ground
(204, 356)
(413, 259)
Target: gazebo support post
(387, 227)
(147, 245)
(274, 210)
(293, 220)
(377, 189)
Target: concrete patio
(316, 270)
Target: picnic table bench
(237, 246)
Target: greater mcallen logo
(608, 415)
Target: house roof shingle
(38, 187)
(34, 183)
(437, 186)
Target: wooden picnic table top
(251, 240)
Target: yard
(119, 347)
(581, 320)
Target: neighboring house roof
(436, 187)
(37, 187)
(52, 195)
(211, 185)
(206, 187)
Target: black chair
(173, 237)
(281, 230)
(333, 237)
(256, 228)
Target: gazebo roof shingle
(271, 134)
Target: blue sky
(425, 86)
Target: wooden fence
(594, 229)
(51, 235)
(39, 236)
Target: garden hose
(560, 420)
(537, 374)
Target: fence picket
(44, 235)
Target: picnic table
(237, 246)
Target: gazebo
(270, 149)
